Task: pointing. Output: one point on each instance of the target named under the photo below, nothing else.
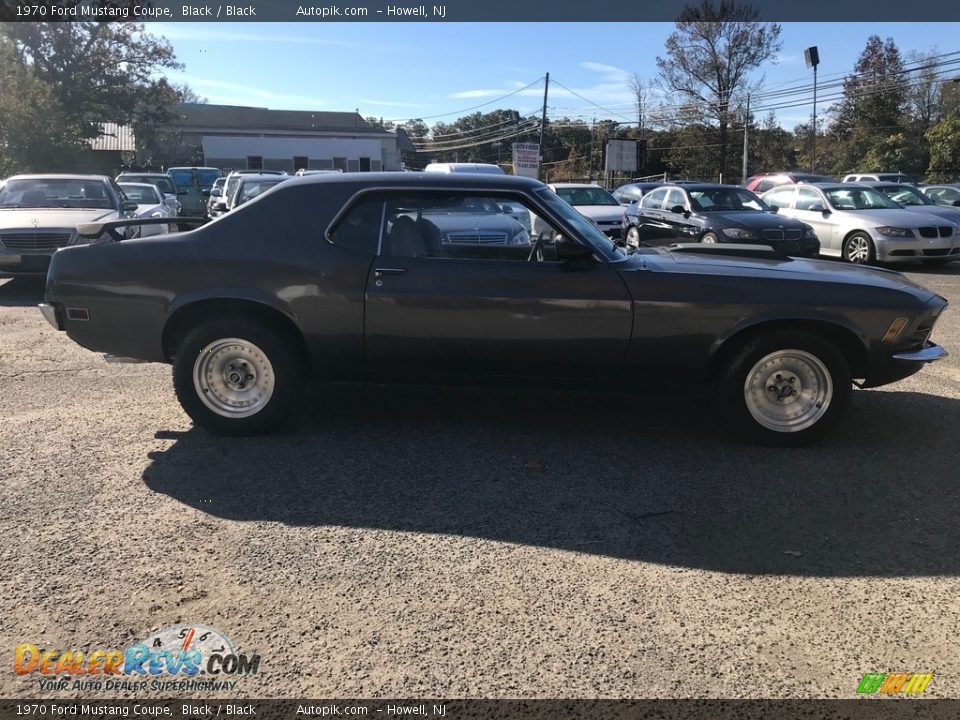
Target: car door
(440, 300)
(652, 229)
(678, 225)
(809, 208)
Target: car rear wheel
(235, 376)
(858, 249)
(787, 388)
(708, 238)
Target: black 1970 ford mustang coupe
(345, 276)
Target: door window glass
(654, 200)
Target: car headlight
(891, 231)
(739, 234)
(809, 233)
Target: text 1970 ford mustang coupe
(340, 276)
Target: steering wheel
(536, 252)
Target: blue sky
(407, 70)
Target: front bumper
(902, 249)
(926, 354)
(20, 263)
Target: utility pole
(813, 146)
(746, 138)
(592, 126)
(543, 118)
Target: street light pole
(812, 57)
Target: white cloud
(236, 94)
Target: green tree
(944, 139)
(34, 135)
(708, 61)
(872, 110)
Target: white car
(150, 204)
(40, 213)
(862, 225)
(595, 203)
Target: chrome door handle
(380, 272)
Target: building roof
(238, 117)
(114, 137)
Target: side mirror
(570, 250)
(679, 209)
(128, 206)
(774, 209)
(956, 203)
(817, 207)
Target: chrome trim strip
(928, 354)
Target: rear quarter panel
(271, 251)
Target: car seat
(405, 238)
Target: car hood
(23, 218)
(774, 267)
(601, 212)
(755, 220)
(951, 214)
(893, 216)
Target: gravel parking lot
(438, 542)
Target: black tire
(792, 348)
(709, 237)
(855, 239)
(284, 371)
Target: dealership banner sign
(526, 159)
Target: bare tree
(709, 59)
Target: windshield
(140, 194)
(726, 200)
(164, 183)
(859, 199)
(55, 193)
(190, 177)
(906, 195)
(586, 196)
(586, 228)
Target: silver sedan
(861, 225)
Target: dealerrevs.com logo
(182, 657)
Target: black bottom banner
(858, 709)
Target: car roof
(136, 184)
(144, 174)
(701, 186)
(60, 176)
(575, 185)
(265, 176)
(428, 180)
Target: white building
(234, 137)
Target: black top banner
(566, 11)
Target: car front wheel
(858, 249)
(787, 388)
(709, 238)
(632, 237)
(235, 376)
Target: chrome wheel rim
(633, 237)
(233, 377)
(788, 390)
(858, 250)
(708, 239)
